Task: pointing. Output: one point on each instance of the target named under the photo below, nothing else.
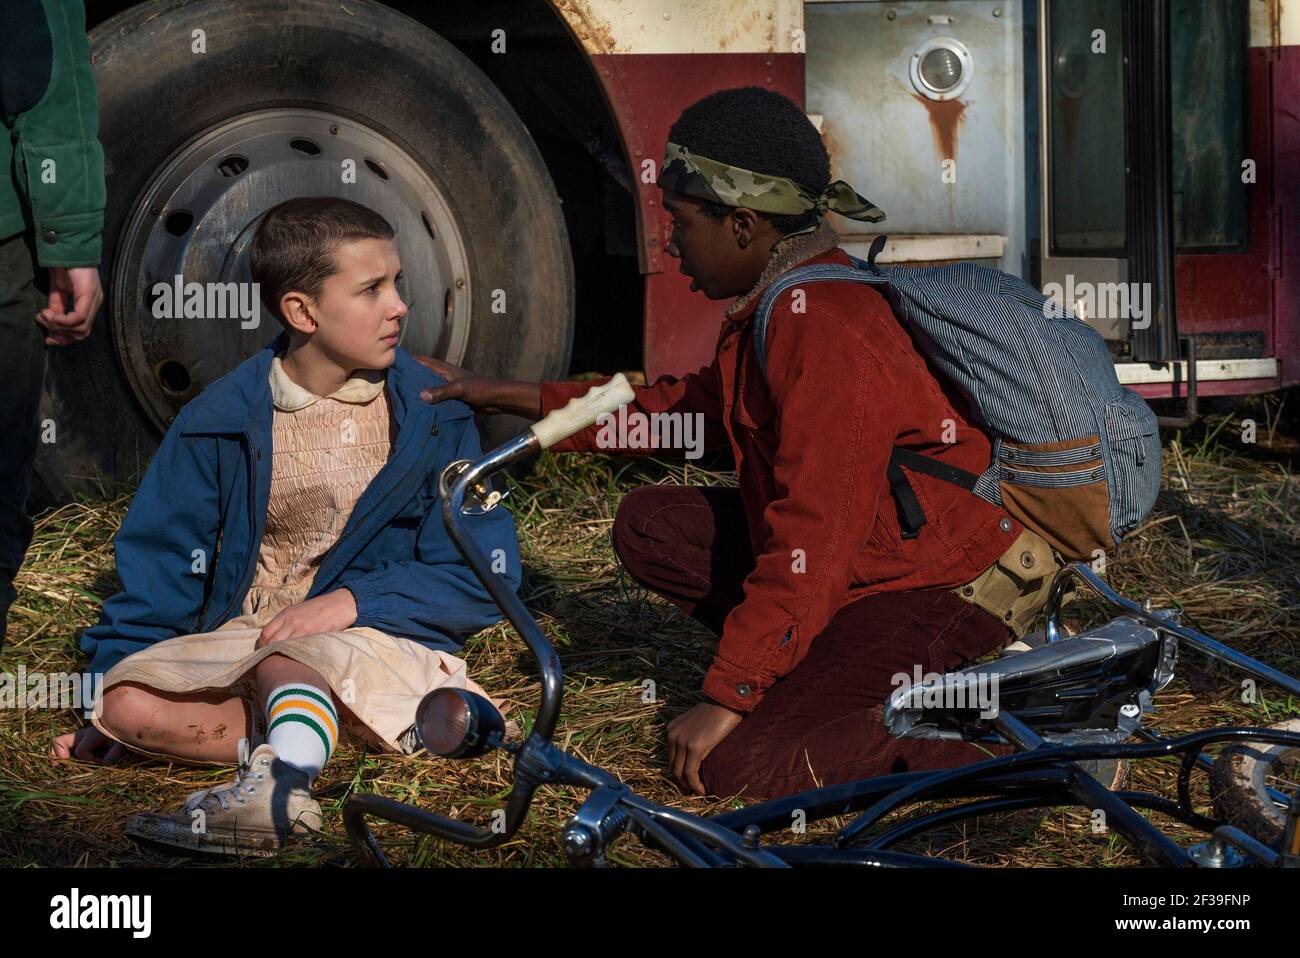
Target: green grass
(1223, 544)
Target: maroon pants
(822, 723)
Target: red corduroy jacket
(812, 441)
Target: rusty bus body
(990, 130)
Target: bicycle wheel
(1242, 777)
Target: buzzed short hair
(294, 246)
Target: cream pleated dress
(325, 452)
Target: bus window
(1210, 82)
(1086, 146)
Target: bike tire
(1237, 785)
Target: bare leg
(195, 726)
(198, 726)
(276, 670)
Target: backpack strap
(911, 517)
(877, 245)
(933, 467)
(910, 514)
(859, 272)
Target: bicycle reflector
(456, 723)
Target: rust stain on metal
(596, 34)
(831, 142)
(671, 26)
(734, 17)
(945, 117)
(603, 36)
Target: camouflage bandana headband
(705, 179)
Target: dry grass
(1223, 543)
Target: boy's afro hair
(758, 130)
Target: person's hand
(331, 612)
(483, 393)
(75, 297)
(88, 744)
(693, 735)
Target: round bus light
(456, 723)
(941, 68)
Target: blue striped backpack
(1076, 456)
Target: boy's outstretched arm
(695, 394)
(164, 549)
(434, 596)
(483, 393)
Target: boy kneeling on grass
(804, 571)
(286, 576)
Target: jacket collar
(820, 245)
(243, 395)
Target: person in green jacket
(51, 217)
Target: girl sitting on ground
(286, 577)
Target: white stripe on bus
(685, 26)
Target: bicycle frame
(1038, 774)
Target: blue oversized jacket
(202, 506)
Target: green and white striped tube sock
(302, 726)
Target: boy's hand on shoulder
(469, 387)
(482, 393)
(331, 612)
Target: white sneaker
(267, 804)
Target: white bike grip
(582, 411)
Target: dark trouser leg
(22, 369)
(822, 724)
(689, 544)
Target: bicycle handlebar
(582, 411)
(579, 413)
(1160, 621)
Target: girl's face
(359, 312)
